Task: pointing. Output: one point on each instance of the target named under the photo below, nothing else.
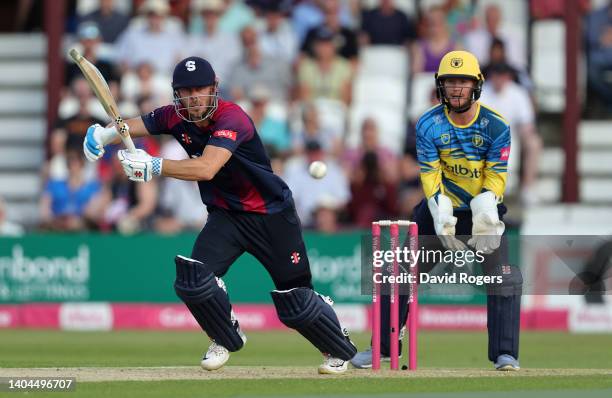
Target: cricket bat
(102, 91)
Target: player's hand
(95, 139)
(487, 228)
(444, 222)
(139, 166)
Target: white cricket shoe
(333, 366)
(217, 355)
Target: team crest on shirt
(445, 138)
(477, 140)
(295, 257)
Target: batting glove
(487, 228)
(139, 166)
(441, 209)
(95, 139)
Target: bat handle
(129, 144)
(124, 133)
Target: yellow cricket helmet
(459, 64)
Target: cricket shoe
(363, 359)
(217, 355)
(332, 366)
(507, 363)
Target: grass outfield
(550, 361)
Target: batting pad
(208, 302)
(305, 311)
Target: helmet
(459, 64)
(194, 72)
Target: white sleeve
(524, 107)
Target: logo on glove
(138, 174)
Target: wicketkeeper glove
(487, 228)
(441, 209)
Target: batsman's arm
(203, 168)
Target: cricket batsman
(250, 210)
(463, 148)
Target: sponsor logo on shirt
(504, 154)
(225, 134)
(463, 171)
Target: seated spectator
(478, 41)
(8, 228)
(372, 197)
(307, 191)
(437, 41)
(312, 130)
(65, 204)
(272, 130)
(386, 25)
(277, 38)
(343, 38)
(256, 69)
(497, 55)
(89, 37)
(180, 204)
(221, 49)
(156, 42)
(460, 17)
(370, 142)
(599, 53)
(327, 75)
(513, 103)
(326, 215)
(236, 16)
(143, 81)
(308, 14)
(124, 205)
(110, 21)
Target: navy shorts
(273, 239)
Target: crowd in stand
(278, 60)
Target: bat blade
(100, 88)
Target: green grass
(447, 350)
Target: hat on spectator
(88, 31)
(500, 68)
(208, 5)
(159, 7)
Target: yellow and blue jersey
(463, 161)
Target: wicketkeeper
(463, 149)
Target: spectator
(514, 104)
(277, 38)
(599, 53)
(328, 75)
(307, 191)
(256, 69)
(311, 130)
(145, 82)
(428, 52)
(66, 203)
(373, 198)
(125, 205)
(221, 49)
(69, 132)
(89, 41)
(110, 21)
(156, 42)
(326, 215)
(386, 25)
(478, 41)
(387, 161)
(343, 38)
(8, 228)
(272, 130)
(180, 204)
(497, 55)
(460, 17)
(236, 17)
(308, 14)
